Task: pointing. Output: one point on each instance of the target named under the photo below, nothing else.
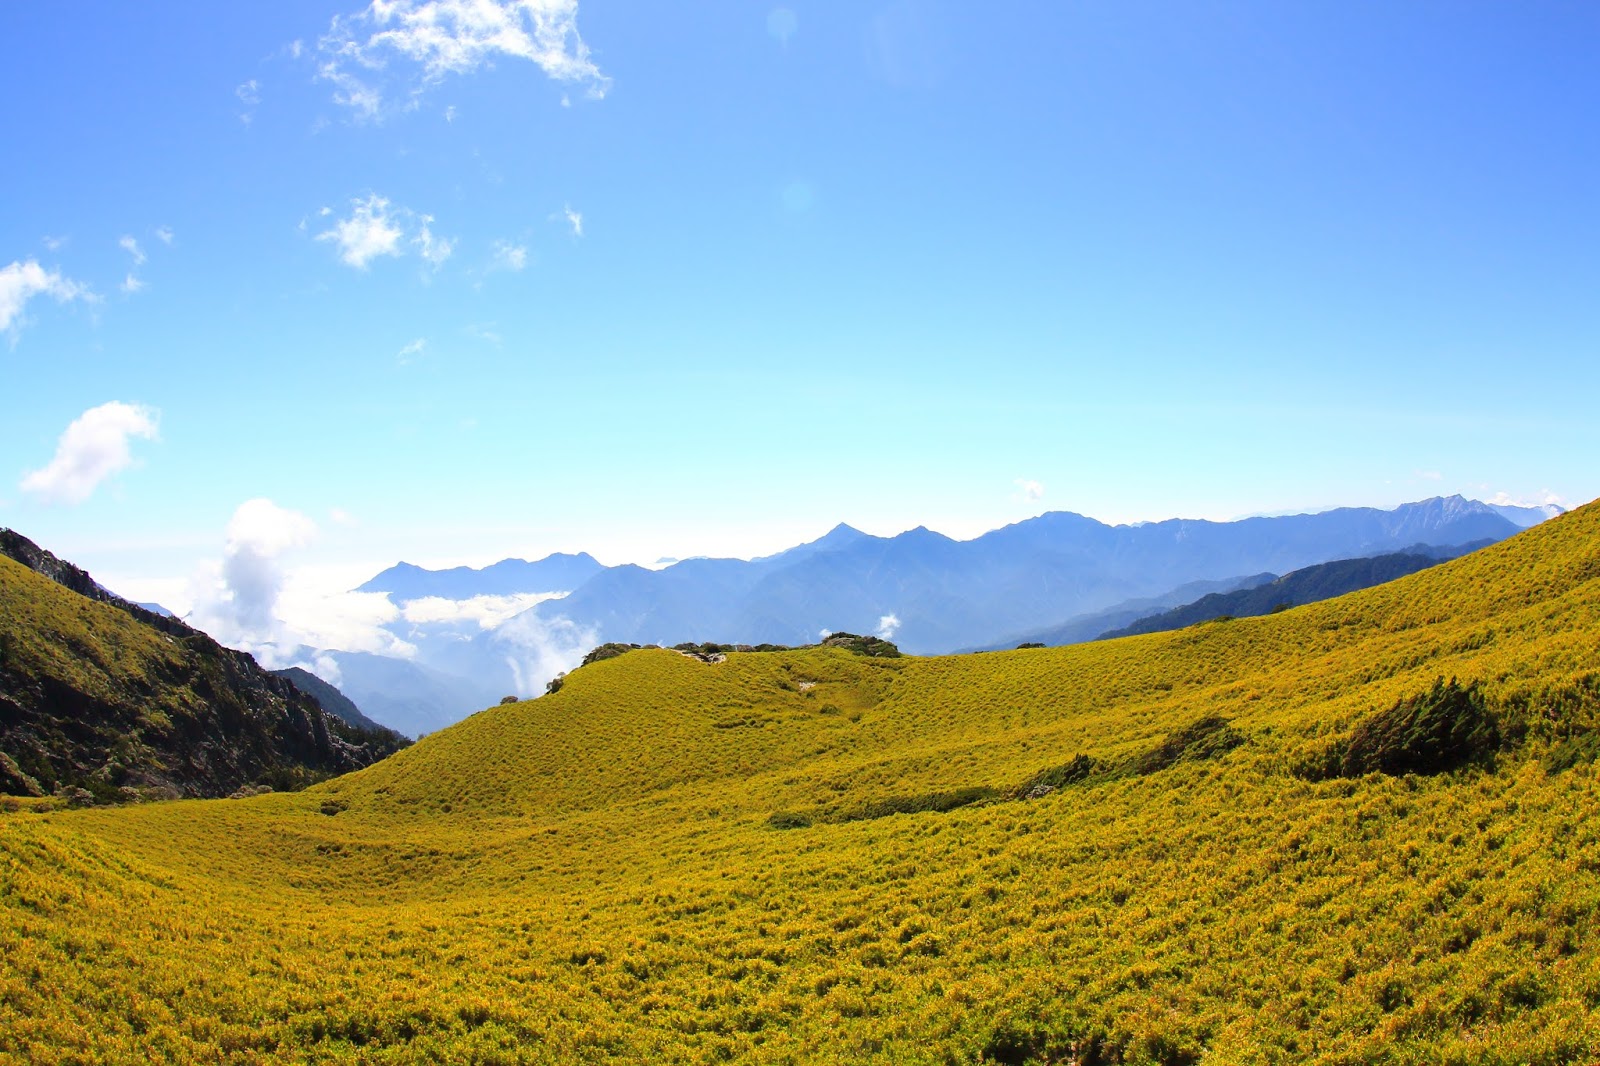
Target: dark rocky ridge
(100, 695)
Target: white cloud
(93, 448)
(131, 246)
(340, 517)
(1030, 490)
(484, 332)
(55, 244)
(164, 234)
(508, 256)
(20, 282)
(450, 113)
(887, 625)
(487, 612)
(375, 227)
(411, 45)
(131, 284)
(366, 234)
(1538, 499)
(574, 219)
(251, 575)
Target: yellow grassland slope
(597, 876)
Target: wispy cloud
(375, 228)
(21, 281)
(508, 256)
(433, 250)
(164, 235)
(131, 284)
(408, 354)
(1029, 489)
(249, 94)
(93, 448)
(407, 46)
(575, 220)
(131, 246)
(537, 649)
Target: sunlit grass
(594, 876)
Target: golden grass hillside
(602, 875)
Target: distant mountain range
(1057, 578)
(554, 573)
(936, 594)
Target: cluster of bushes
(1444, 728)
(873, 647)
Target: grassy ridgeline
(597, 876)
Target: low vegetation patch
(932, 802)
(1444, 728)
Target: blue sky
(709, 278)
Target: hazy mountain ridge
(559, 572)
(946, 594)
(1086, 627)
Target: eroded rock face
(93, 704)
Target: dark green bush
(1438, 730)
(1208, 738)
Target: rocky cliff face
(103, 697)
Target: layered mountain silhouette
(554, 573)
(937, 594)
(1058, 578)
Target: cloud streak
(409, 46)
(22, 281)
(93, 448)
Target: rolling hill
(107, 701)
(1364, 830)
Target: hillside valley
(1367, 829)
